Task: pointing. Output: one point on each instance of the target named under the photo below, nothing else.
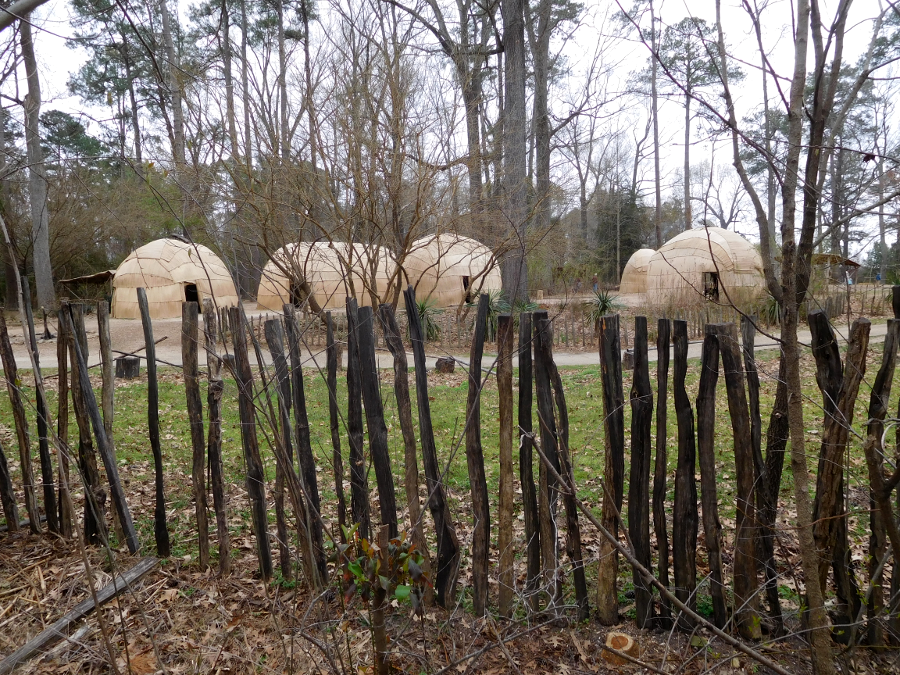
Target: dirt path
(128, 337)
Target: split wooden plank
(58, 630)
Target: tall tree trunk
(540, 51)
(37, 180)
(687, 162)
(174, 94)
(820, 639)
(514, 267)
(657, 212)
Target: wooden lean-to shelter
(705, 264)
(634, 276)
(332, 270)
(172, 271)
(449, 269)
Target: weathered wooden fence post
(684, 518)
(11, 375)
(108, 387)
(308, 476)
(505, 346)
(404, 412)
(548, 488)
(660, 467)
(160, 529)
(765, 523)
(331, 367)
(614, 468)
(573, 530)
(284, 455)
(706, 451)
(214, 438)
(359, 488)
(447, 541)
(481, 536)
(190, 363)
(47, 477)
(66, 517)
(94, 522)
(256, 490)
(378, 448)
(526, 464)
(639, 481)
(746, 583)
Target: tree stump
(128, 367)
(445, 365)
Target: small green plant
(382, 572)
(428, 314)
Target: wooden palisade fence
(550, 584)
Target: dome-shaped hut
(172, 271)
(634, 276)
(704, 263)
(324, 265)
(449, 269)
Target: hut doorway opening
(711, 286)
(191, 294)
(297, 294)
(465, 281)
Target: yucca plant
(497, 305)
(600, 304)
(428, 314)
